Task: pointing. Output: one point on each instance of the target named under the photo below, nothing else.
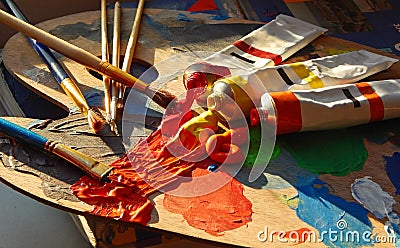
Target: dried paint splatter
(336, 152)
(222, 210)
(372, 197)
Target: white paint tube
(335, 106)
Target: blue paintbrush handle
(93, 167)
(51, 61)
(44, 52)
(22, 134)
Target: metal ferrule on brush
(120, 76)
(75, 94)
(95, 168)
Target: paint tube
(327, 71)
(335, 106)
(201, 76)
(269, 45)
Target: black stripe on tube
(242, 58)
(347, 93)
(284, 76)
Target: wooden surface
(47, 179)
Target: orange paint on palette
(142, 171)
(224, 148)
(224, 209)
(295, 237)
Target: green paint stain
(254, 152)
(336, 152)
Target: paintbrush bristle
(161, 97)
(95, 119)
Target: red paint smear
(141, 172)
(113, 200)
(222, 210)
(149, 167)
(202, 5)
(296, 236)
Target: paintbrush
(130, 48)
(94, 116)
(115, 62)
(161, 97)
(94, 168)
(105, 57)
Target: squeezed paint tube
(234, 97)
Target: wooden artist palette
(286, 198)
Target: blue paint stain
(183, 17)
(219, 17)
(393, 170)
(162, 29)
(340, 223)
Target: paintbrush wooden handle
(115, 62)
(105, 57)
(73, 52)
(130, 48)
(91, 166)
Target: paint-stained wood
(47, 179)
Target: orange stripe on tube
(288, 112)
(375, 102)
(243, 46)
